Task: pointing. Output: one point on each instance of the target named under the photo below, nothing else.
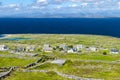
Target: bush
(104, 53)
(70, 46)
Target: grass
(56, 39)
(4, 52)
(107, 71)
(93, 70)
(85, 64)
(35, 76)
(94, 56)
(7, 62)
(84, 56)
(47, 66)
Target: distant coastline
(1, 35)
(4, 35)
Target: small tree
(70, 46)
(104, 53)
(60, 49)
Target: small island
(59, 57)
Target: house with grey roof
(20, 49)
(114, 51)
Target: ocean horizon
(95, 26)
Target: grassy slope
(78, 66)
(35, 76)
(7, 62)
(40, 39)
(107, 71)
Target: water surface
(99, 26)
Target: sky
(60, 8)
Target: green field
(54, 39)
(84, 64)
(35, 76)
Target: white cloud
(35, 7)
(17, 9)
(42, 2)
(73, 5)
(76, 4)
(118, 5)
(58, 7)
(84, 4)
(59, 1)
(66, 6)
(10, 7)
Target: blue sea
(99, 26)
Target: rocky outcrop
(5, 74)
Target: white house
(114, 51)
(47, 48)
(3, 48)
(72, 51)
(30, 48)
(79, 47)
(94, 49)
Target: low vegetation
(98, 65)
(8, 62)
(35, 76)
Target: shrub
(104, 53)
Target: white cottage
(47, 48)
(72, 51)
(30, 48)
(94, 49)
(3, 48)
(79, 47)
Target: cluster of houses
(18, 49)
(25, 49)
(69, 49)
(62, 48)
(75, 49)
